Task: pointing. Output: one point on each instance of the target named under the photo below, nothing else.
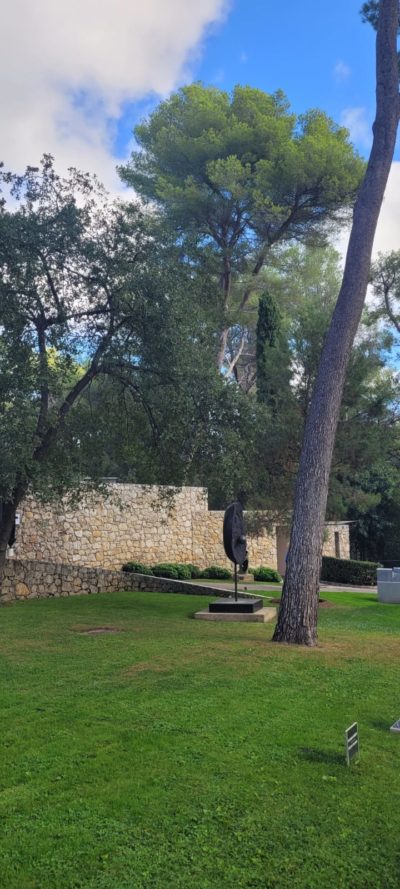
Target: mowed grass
(179, 753)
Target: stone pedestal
(263, 616)
(241, 605)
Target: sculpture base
(263, 616)
(241, 605)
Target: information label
(351, 742)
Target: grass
(178, 753)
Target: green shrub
(195, 571)
(172, 570)
(136, 568)
(214, 572)
(184, 571)
(266, 575)
(348, 571)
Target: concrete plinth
(242, 604)
(263, 616)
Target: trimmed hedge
(136, 568)
(172, 570)
(266, 575)
(214, 572)
(348, 571)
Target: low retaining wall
(43, 580)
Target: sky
(77, 77)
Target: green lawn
(181, 754)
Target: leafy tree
(272, 356)
(297, 619)
(82, 282)
(236, 175)
(385, 279)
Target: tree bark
(226, 281)
(297, 619)
(8, 513)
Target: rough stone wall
(44, 580)
(342, 530)
(208, 547)
(142, 523)
(135, 522)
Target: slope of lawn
(178, 753)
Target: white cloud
(341, 71)
(388, 231)
(66, 69)
(387, 235)
(356, 121)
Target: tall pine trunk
(297, 619)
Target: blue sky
(320, 54)
(76, 77)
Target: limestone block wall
(134, 522)
(341, 529)
(147, 524)
(208, 547)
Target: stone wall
(44, 580)
(142, 523)
(341, 529)
(208, 547)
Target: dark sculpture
(234, 537)
(234, 534)
(235, 546)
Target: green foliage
(195, 571)
(75, 277)
(385, 280)
(215, 572)
(370, 12)
(272, 356)
(348, 571)
(136, 568)
(172, 570)
(266, 575)
(235, 175)
(205, 154)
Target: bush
(172, 570)
(214, 572)
(266, 575)
(348, 571)
(185, 571)
(195, 571)
(136, 568)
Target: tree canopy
(237, 174)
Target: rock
(22, 591)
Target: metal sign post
(351, 742)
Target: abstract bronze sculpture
(235, 546)
(234, 537)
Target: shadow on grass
(312, 754)
(380, 725)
